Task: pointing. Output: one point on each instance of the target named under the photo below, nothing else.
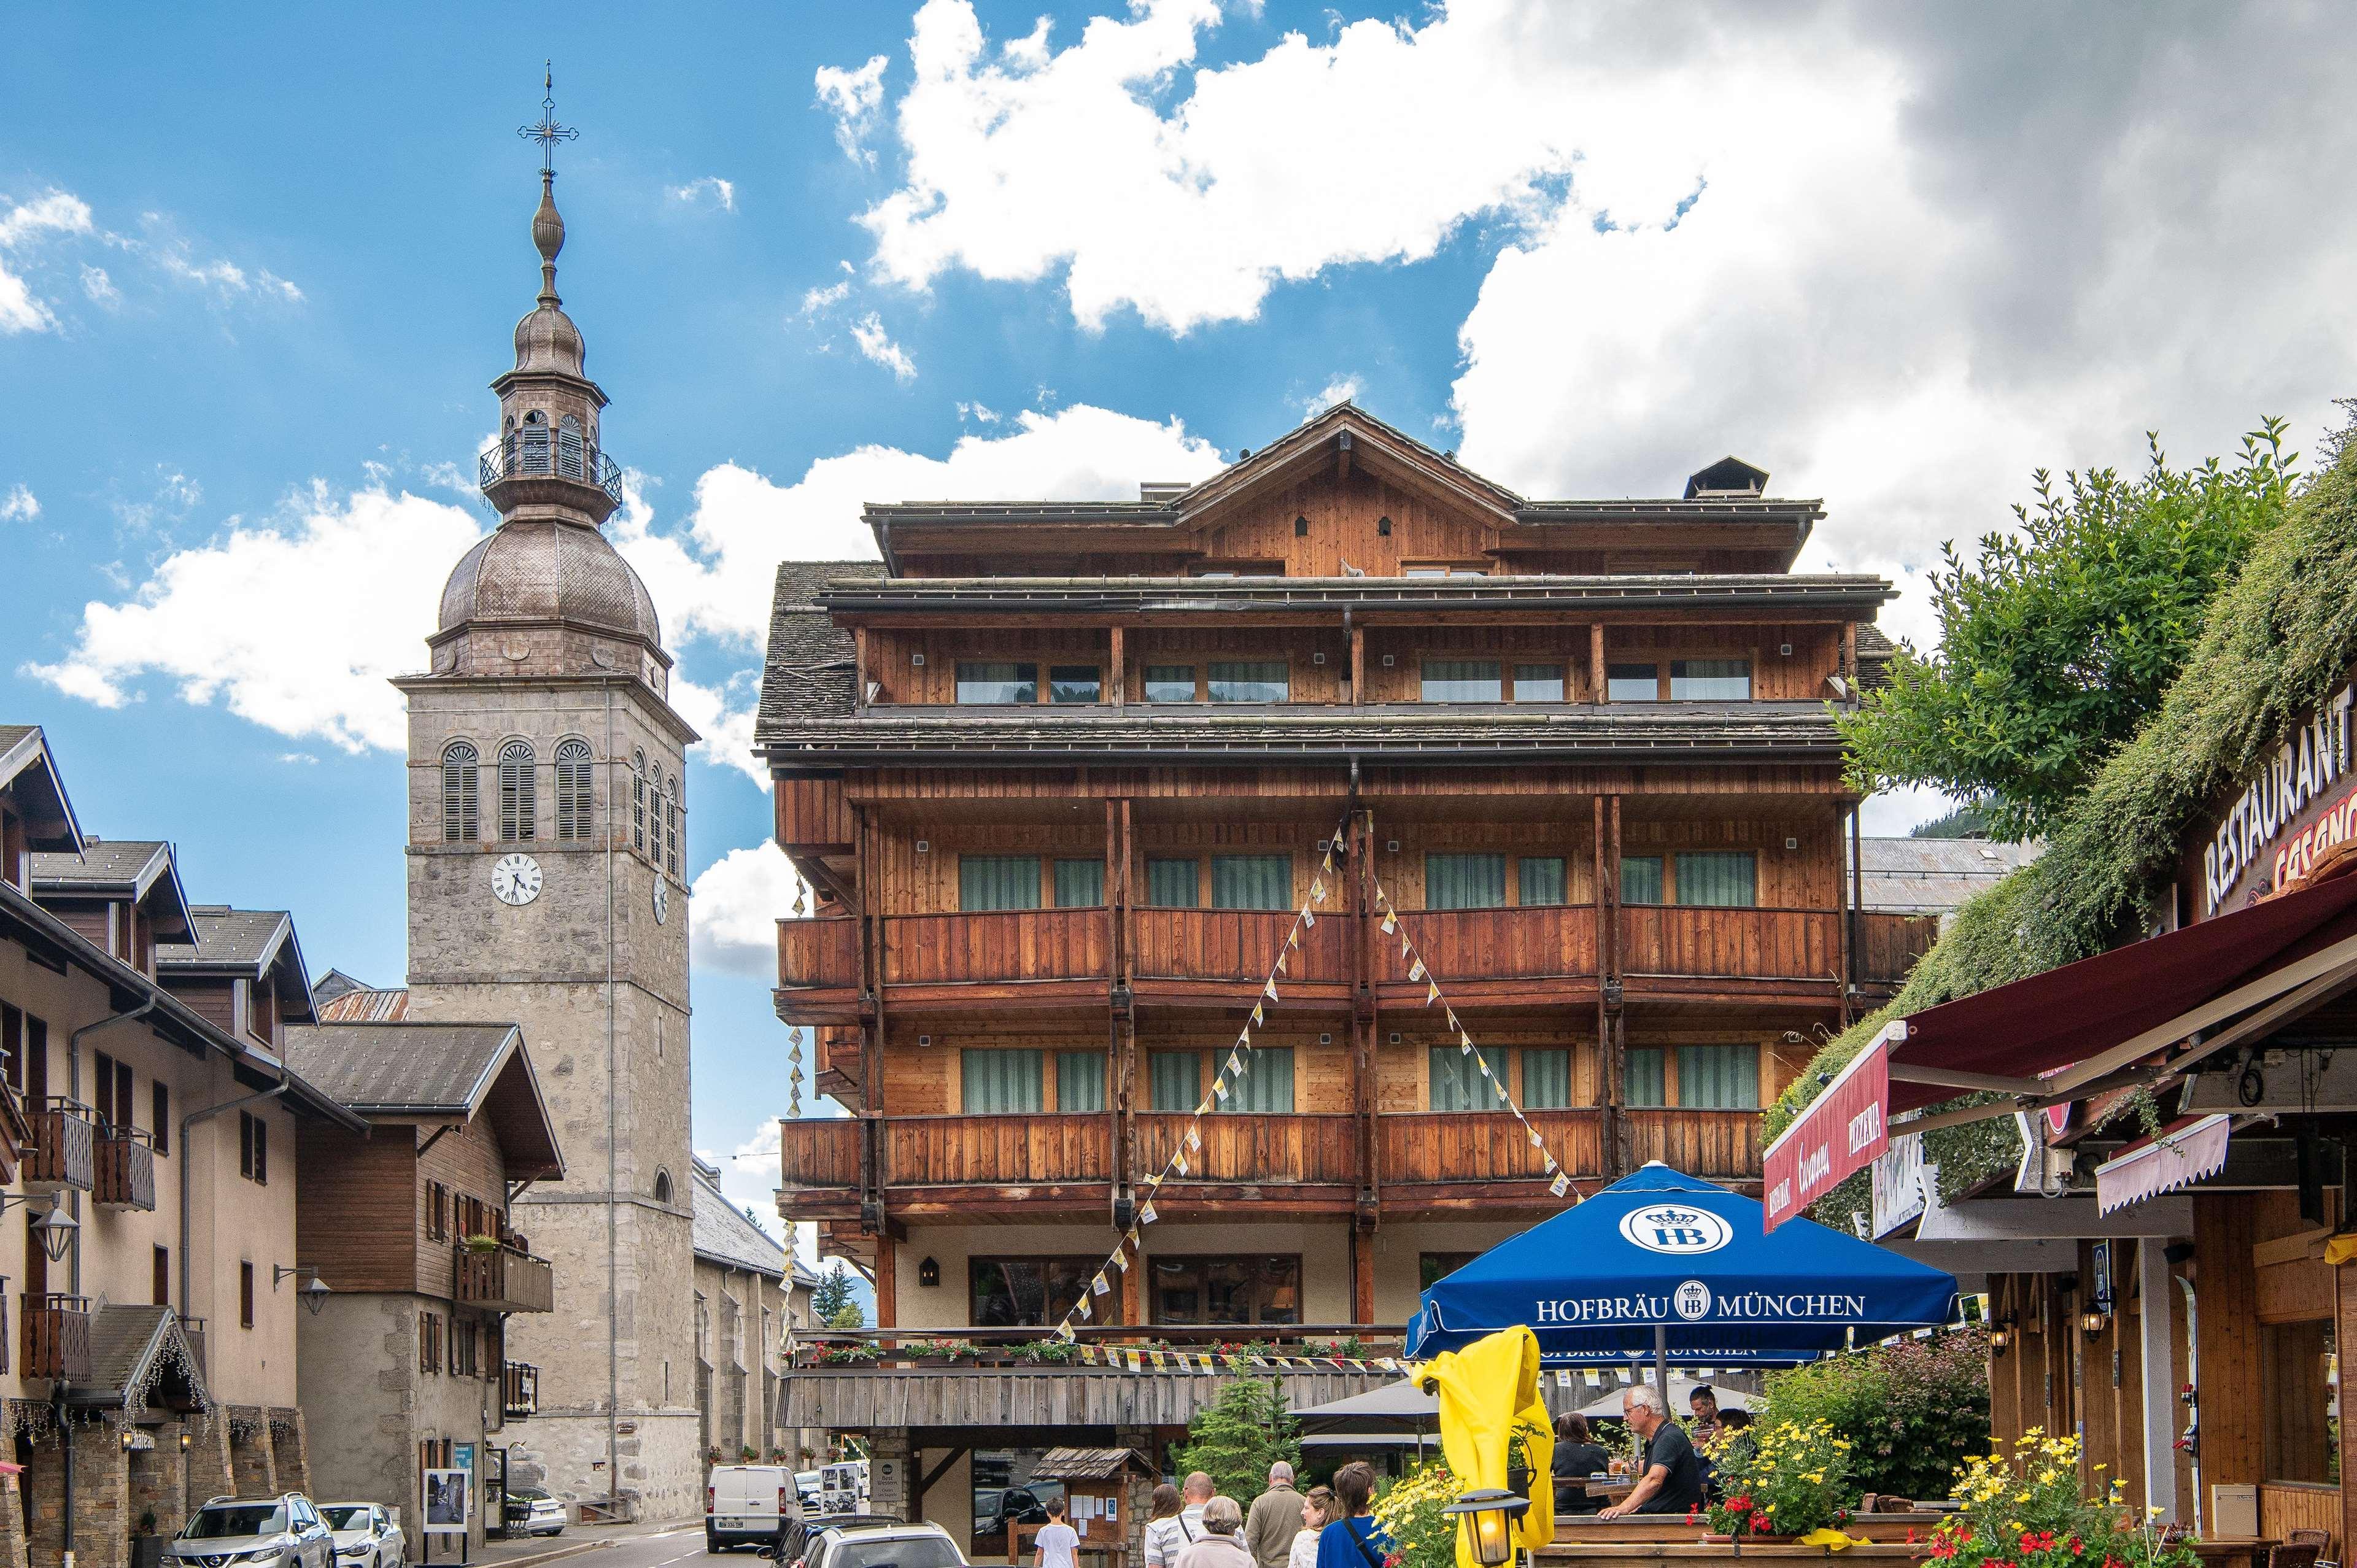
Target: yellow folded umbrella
(1486, 1391)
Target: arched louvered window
(569, 447)
(639, 801)
(671, 827)
(534, 456)
(575, 808)
(663, 1185)
(517, 815)
(459, 821)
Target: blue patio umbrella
(1665, 1265)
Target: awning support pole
(2157, 1332)
(1662, 1364)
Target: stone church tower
(545, 853)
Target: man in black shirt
(1672, 1479)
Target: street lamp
(315, 1294)
(55, 1226)
(2001, 1335)
(1488, 1515)
(2091, 1323)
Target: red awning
(2042, 1038)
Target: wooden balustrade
(63, 1153)
(1233, 945)
(1433, 1147)
(1888, 945)
(941, 1150)
(1251, 1147)
(56, 1336)
(126, 1169)
(819, 1153)
(1465, 945)
(999, 945)
(1745, 943)
(1719, 1144)
(820, 953)
(504, 1280)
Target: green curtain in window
(1538, 682)
(1464, 881)
(1719, 879)
(1176, 1078)
(1543, 882)
(998, 1082)
(983, 682)
(1547, 1079)
(1248, 680)
(1463, 681)
(1171, 682)
(1252, 882)
(1079, 1081)
(998, 882)
(1719, 1078)
(1080, 884)
(1172, 885)
(1458, 1083)
(1710, 680)
(1640, 879)
(1266, 1085)
(1642, 1079)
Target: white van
(749, 1505)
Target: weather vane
(548, 132)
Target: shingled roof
(811, 670)
(116, 868)
(1228, 596)
(29, 773)
(1932, 876)
(724, 1235)
(420, 1069)
(135, 1352)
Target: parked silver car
(365, 1535)
(284, 1532)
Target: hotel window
(12, 1042)
(159, 1105)
(1464, 881)
(1173, 883)
(1716, 879)
(1226, 1290)
(1457, 1081)
(1171, 682)
(1074, 683)
(1080, 884)
(1710, 680)
(1545, 883)
(458, 816)
(1640, 879)
(990, 683)
(1079, 1081)
(998, 1083)
(1719, 1078)
(1642, 1082)
(1252, 882)
(519, 816)
(1633, 683)
(1175, 1080)
(1249, 681)
(574, 810)
(245, 1295)
(1022, 1293)
(1538, 682)
(437, 1212)
(1547, 1079)
(998, 882)
(1463, 681)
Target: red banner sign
(1842, 1132)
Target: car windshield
(905, 1551)
(248, 1519)
(527, 1495)
(350, 1516)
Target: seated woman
(1577, 1455)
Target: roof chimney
(1729, 477)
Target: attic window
(1384, 526)
(1300, 528)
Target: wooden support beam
(925, 1480)
(888, 1290)
(1599, 686)
(1357, 663)
(859, 665)
(1362, 1277)
(1116, 690)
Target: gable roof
(116, 868)
(28, 772)
(245, 944)
(812, 664)
(413, 1069)
(134, 1351)
(357, 1004)
(723, 1234)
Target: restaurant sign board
(2290, 814)
(1842, 1131)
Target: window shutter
(576, 798)
(458, 814)
(517, 812)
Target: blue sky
(256, 269)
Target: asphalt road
(652, 1549)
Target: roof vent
(1161, 492)
(1728, 477)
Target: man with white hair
(1672, 1482)
(1275, 1519)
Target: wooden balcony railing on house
(1721, 1145)
(519, 1390)
(1234, 945)
(56, 1336)
(996, 946)
(1460, 946)
(126, 1168)
(1677, 941)
(823, 952)
(820, 1154)
(501, 1279)
(1017, 1151)
(63, 1153)
(1888, 945)
(1253, 1149)
(1441, 1148)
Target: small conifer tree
(1239, 1435)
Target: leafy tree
(2059, 640)
(832, 1299)
(1238, 1436)
(1964, 823)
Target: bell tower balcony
(534, 466)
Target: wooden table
(1586, 1530)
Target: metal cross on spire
(548, 132)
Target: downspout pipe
(73, 1091)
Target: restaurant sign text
(2299, 776)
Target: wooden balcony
(1211, 952)
(1492, 955)
(1679, 950)
(819, 1155)
(1720, 1145)
(126, 1169)
(1888, 945)
(519, 1390)
(63, 1153)
(1292, 1152)
(820, 954)
(501, 1279)
(1032, 950)
(57, 1337)
(965, 1164)
(1470, 1159)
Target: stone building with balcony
(407, 1366)
(750, 1296)
(149, 1134)
(1058, 775)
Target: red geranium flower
(1739, 1505)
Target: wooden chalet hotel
(1060, 773)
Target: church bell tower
(546, 815)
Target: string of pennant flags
(1238, 1064)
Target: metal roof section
(247, 944)
(1779, 592)
(1933, 876)
(407, 1069)
(127, 869)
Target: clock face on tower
(516, 879)
(662, 901)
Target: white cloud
(877, 345)
(1341, 389)
(852, 97)
(99, 288)
(224, 279)
(53, 213)
(302, 759)
(19, 505)
(739, 900)
(711, 187)
(980, 413)
(295, 624)
(820, 299)
(723, 717)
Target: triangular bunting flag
(1101, 1284)
(1121, 1259)
(1389, 925)
(1561, 1184)
(1467, 1037)
(1194, 1139)
(1501, 1089)
(1064, 1330)
(1537, 1142)
(1147, 1216)
(1550, 1165)
(1280, 964)
(1292, 935)
(1220, 1089)
(1235, 1065)
(1081, 1309)
(1465, 1046)
(1484, 1062)
(1434, 995)
(1178, 1161)
(1318, 890)
(1269, 990)
(1256, 1014)
(1416, 970)
(1454, 1027)
(1308, 917)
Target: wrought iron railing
(536, 452)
